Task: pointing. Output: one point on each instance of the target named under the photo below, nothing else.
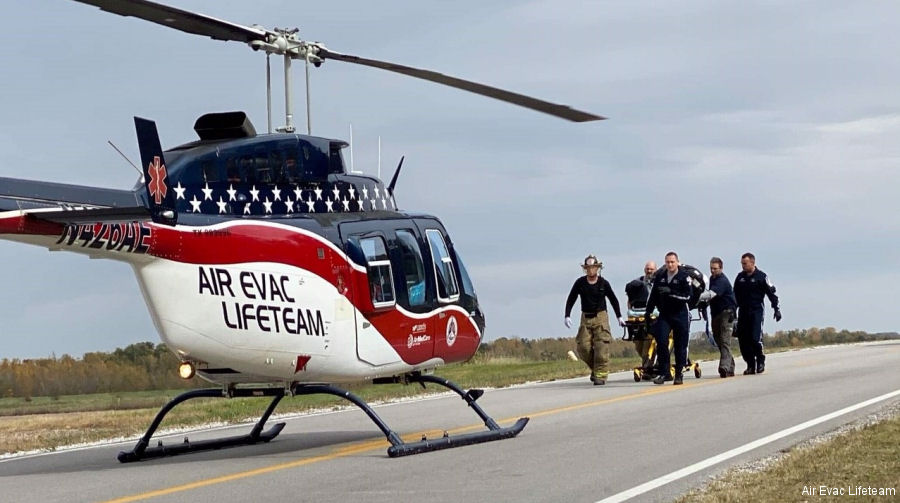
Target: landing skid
(398, 447)
(141, 450)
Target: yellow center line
(361, 447)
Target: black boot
(751, 367)
(760, 366)
(679, 379)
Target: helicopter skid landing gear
(400, 448)
(256, 435)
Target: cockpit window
(381, 283)
(210, 171)
(412, 267)
(448, 289)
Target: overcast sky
(735, 126)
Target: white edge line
(696, 467)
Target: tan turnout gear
(594, 333)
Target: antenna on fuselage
(394, 178)
(127, 159)
(393, 183)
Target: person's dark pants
(749, 334)
(679, 324)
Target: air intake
(224, 125)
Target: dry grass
(868, 457)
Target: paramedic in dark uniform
(594, 336)
(637, 291)
(751, 287)
(722, 307)
(670, 295)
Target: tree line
(137, 367)
(146, 366)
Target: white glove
(568, 322)
(621, 322)
(707, 295)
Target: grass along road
(859, 461)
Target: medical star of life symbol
(157, 185)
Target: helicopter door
(415, 292)
(442, 272)
(367, 245)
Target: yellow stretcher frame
(636, 323)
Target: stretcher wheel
(637, 375)
(697, 370)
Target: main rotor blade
(562, 111)
(183, 20)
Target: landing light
(186, 370)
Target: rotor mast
(285, 42)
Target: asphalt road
(584, 443)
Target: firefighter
(594, 336)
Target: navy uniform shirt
(751, 289)
(670, 296)
(593, 297)
(724, 298)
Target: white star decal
(311, 204)
(329, 203)
(376, 192)
(268, 205)
(179, 190)
(337, 193)
(352, 193)
(207, 192)
(346, 204)
(231, 193)
(247, 209)
(318, 192)
(254, 193)
(383, 202)
(365, 192)
(277, 192)
(374, 206)
(297, 192)
(290, 204)
(222, 205)
(195, 205)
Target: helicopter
(268, 267)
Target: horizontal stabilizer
(18, 194)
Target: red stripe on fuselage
(243, 242)
(24, 224)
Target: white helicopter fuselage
(240, 318)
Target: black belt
(592, 315)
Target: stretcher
(636, 329)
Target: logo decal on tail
(157, 183)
